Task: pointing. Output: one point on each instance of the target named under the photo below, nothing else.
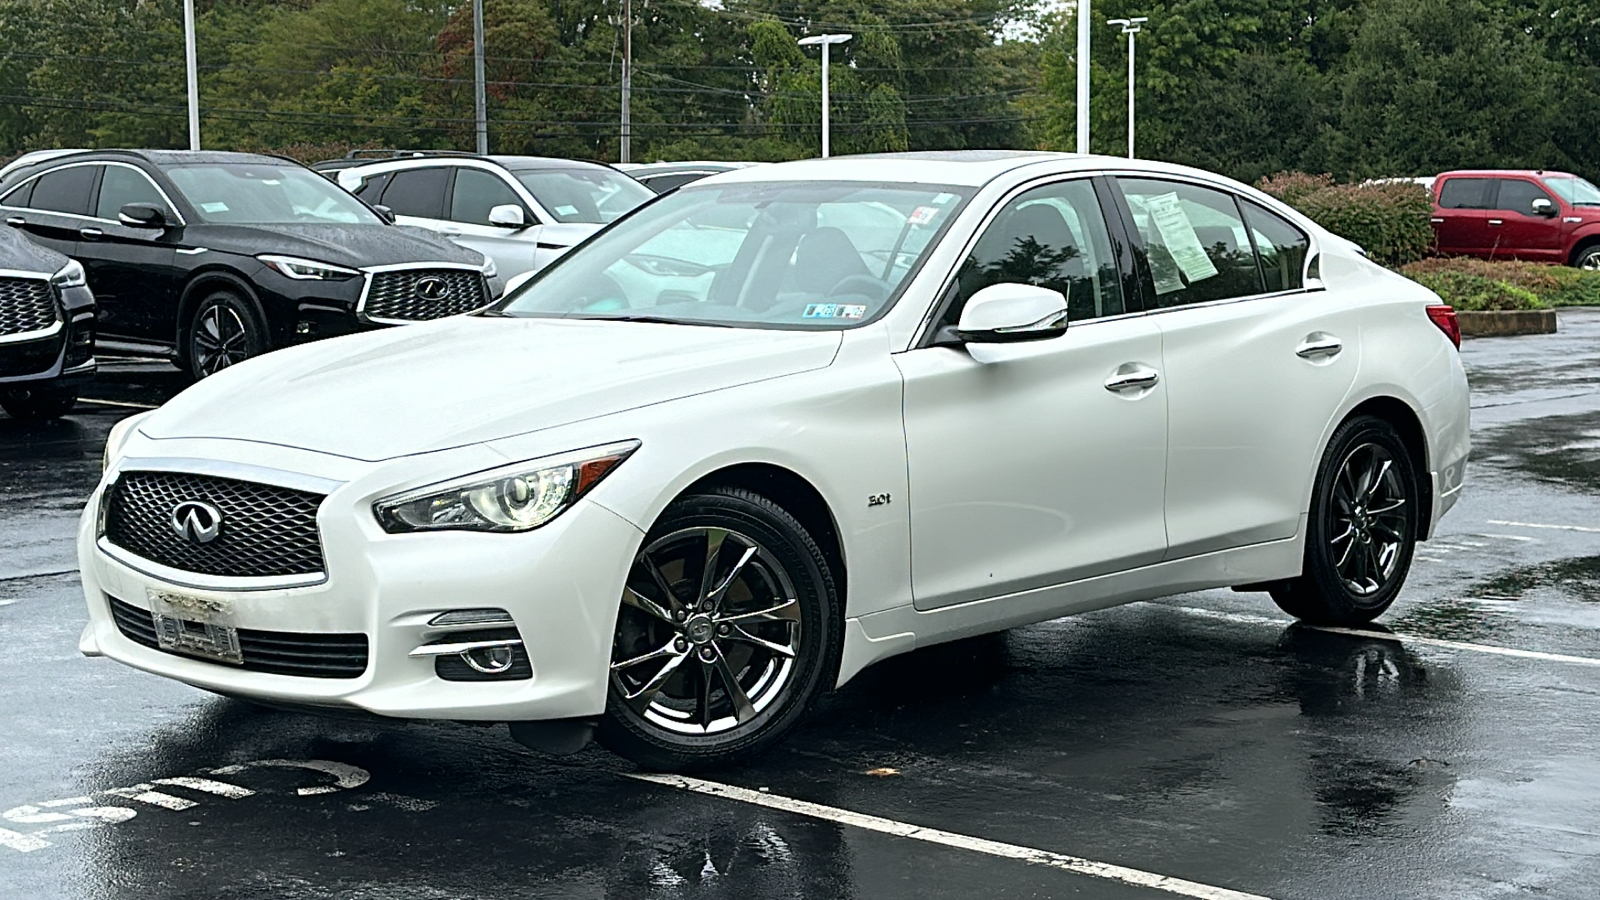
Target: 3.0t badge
(196, 521)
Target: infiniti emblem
(431, 287)
(196, 521)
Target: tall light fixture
(827, 41)
(191, 64)
(480, 103)
(1130, 27)
(627, 81)
(1083, 76)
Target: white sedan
(781, 424)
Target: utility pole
(192, 65)
(1083, 76)
(480, 101)
(826, 41)
(627, 81)
(1130, 27)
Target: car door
(132, 271)
(473, 194)
(1255, 365)
(1038, 463)
(1517, 230)
(1461, 215)
(51, 208)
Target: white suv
(520, 211)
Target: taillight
(1445, 318)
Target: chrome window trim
(366, 288)
(172, 207)
(38, 334)
(372, 170)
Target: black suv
(46, 330)
(210, 258)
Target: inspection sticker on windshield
(922, 215)
(833, 311)
(214, 207)
(567, 210)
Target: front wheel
(1362, 528)
(1588, 258)
(223, 333)
(729, 628)
(38, 405)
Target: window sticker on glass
(218, 207)
(942, 199)
(1177, 233)
(922, 215)
(833, 311)
(566, 210)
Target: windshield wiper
(656, 320)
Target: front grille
(265, 530)
(402, 295)
(26, 304)
(299, 653)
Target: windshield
(1576, 191)
(592, 196)
(267, 194)
(807, 254)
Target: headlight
(489, 270)
(513, 498)
(119, 436)
(70, 276)
(307, 269)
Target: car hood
(355, 246)
(466, 380)
(22, 255)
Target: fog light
(489, 660)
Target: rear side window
(1195, 241)
(18, 196)
(1281, 246)
(1518, 195)
(476, 192)
(417, 192)
(372, 188)
(65, 190)
(1465, 193)
(121, 186)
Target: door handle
(1319, 345)
(91, 233)
(1132, 378)
(16, 221)
(1497, 222)
(1437, 220)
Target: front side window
(593, 196)
(476, 192)
(266, 194)
(1517, 195)
(121, 186)
(1052, 236)
(1576, 191)
(1465, 193)
(65, 190)
(800, 255)
(1195, 241)
(418, 193)
(1281, 246)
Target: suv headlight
(307, 269)
(519, 497)
(70, 276)
(489, 270)
(119, 436)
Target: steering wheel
(862, 285)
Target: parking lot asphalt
(1198, 746)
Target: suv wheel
(223, 332)
(40, 404)
(1587, 258)
(1362, 528)
(729, 629)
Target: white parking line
(122, 403)
(221, 789)
(143, 794)
(1583, 528)
(1247, 619)
(1074, 864)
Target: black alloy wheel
(38, 404)
(729, 628)
(224, 332)
(1588, 258)
(1362, 529)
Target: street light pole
(827, 41)
(627, 81)
(193, 72)
(1130, 27)
(1083, 76)
(480, 103)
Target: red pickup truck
(1505, 214)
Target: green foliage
(1474, 293)
(1552, 285)
(1389, 221)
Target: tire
(223, 332)
(1356, 560)
(38, 405)
(1587, 258)
(770, 593)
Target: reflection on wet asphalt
(1261, 757)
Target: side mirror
(142, 215)
(508, 215)
(384, 213)
(1543, 207)
(1010, 313)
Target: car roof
(970, 168)
(1500, 173)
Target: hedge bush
(1389, 221)
(1553, 285)
(1475, 293)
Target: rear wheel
(224, 332)
(1587, 258)
(1362, 528)
(728, 631)
(39, 404)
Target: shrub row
(1388, 220)
(1552, 285)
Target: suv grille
(309, 655)
(416, 295)
(265, 530)
(26, 304)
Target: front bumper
(62, 358)
(560, 583)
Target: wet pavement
(1201, 737)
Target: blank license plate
(195, 626)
